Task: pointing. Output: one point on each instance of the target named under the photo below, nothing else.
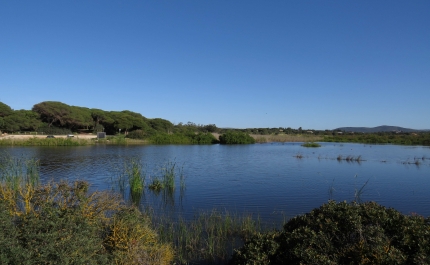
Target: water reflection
(260, 179)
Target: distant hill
(383, 128)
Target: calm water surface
(264, 179)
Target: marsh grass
(209, 238)
(416, 162)
(359, 192)
(299, 156)
(350, 158)
(35, 141)
(166, 177)
(311, 144)
(19, 177)
(132, 179)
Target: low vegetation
(311, 144)
(209, 238)
(382, 138)
(236, 137)
(343, 233)
(283, 138)
(62, 223)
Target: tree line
(52, 117)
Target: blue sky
(244, 64)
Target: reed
(359, 192)
(135, 175)
(165, 179)
(19, 177)
(350, 158)
(299, 156)
(210, 237)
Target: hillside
(383, 128)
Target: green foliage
(236, 137)
(5, 110)
(64, 224)
(140, 134)
(45, 129)
(161, 125)
(56, 236)
(164, 138)
(422, 138)
(203, 138)
(311, 144)
(257, 250)
(45, 142)
(175, 138)
(208, 238)
(21, 120)
(344, 233)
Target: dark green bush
(55, 236)
(236, 137)
(344, 233)
(11, 252)
(183, 138)
(54, 130)
(257, 250)
(203, 138)
(137, 134)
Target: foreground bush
(343, 233)
(62, 223)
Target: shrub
(236, 137)
(203, 138)
(257, 250)
(164, 138)
(61, 223)
(133, 241)
(137, 134)
(344, 233)
(311, 144)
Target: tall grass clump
(18, 179)
(209, 237)
(165, 178)
(129, 179)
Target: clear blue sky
(311, 64)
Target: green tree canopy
(21, 120)
(5, 110)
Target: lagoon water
(265, 179)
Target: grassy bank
(286, 138)
(75, 141)
(382, 138)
